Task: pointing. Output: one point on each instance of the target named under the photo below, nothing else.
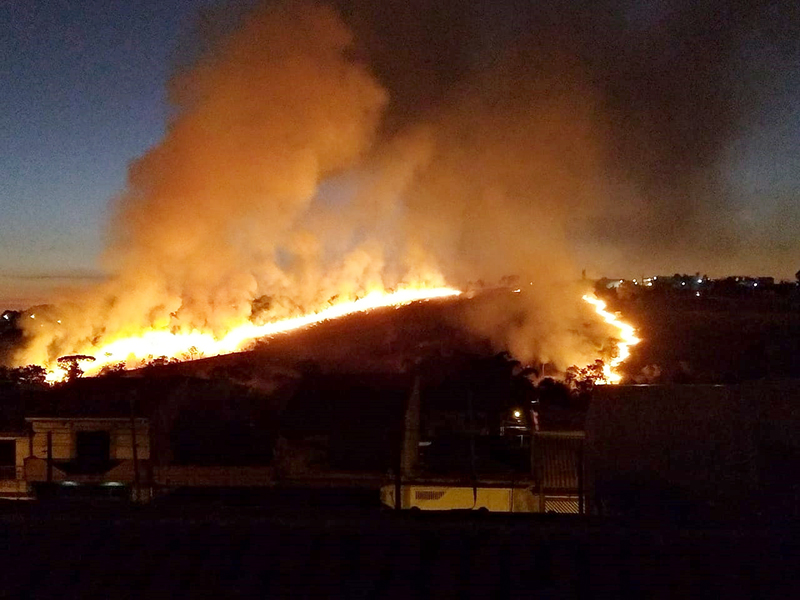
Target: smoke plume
(325, 150)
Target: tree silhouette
(31, 375)
(583, 380)
(112, 370)
(71, 366)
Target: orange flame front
(136, 349)
(627, 338)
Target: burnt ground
(388, 340)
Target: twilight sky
(83, 93)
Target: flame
(55, 375)
(627, 334)
(195, 344)
(134, 351)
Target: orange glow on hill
(136, 350)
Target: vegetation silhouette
(71, 365)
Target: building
(694, 450)
(125, 439)
(87, 439)
(100, 454)
(555, 484)
(559, 471)
(14, 445)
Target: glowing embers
(627, 338)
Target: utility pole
(49, 457)
(409, 446)
(411, 432)
(137, 491)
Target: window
(93, 447)
(8, 459)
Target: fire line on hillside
(156, 343)
(628, 338)
(133, 351)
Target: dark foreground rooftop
(238, 552)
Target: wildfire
(134, 351)
(194, 344)
(627, 334)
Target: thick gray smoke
(323, 150)
(667, 89)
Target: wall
(698, 440)
(63, 435)
(16, 487)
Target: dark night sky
(83, 93)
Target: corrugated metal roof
(557, 459)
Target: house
(103, 455)
(14, 445)
(136, 438)
(556, 483)
(85, 442)
(75, 440)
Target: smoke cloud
(325, 150)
